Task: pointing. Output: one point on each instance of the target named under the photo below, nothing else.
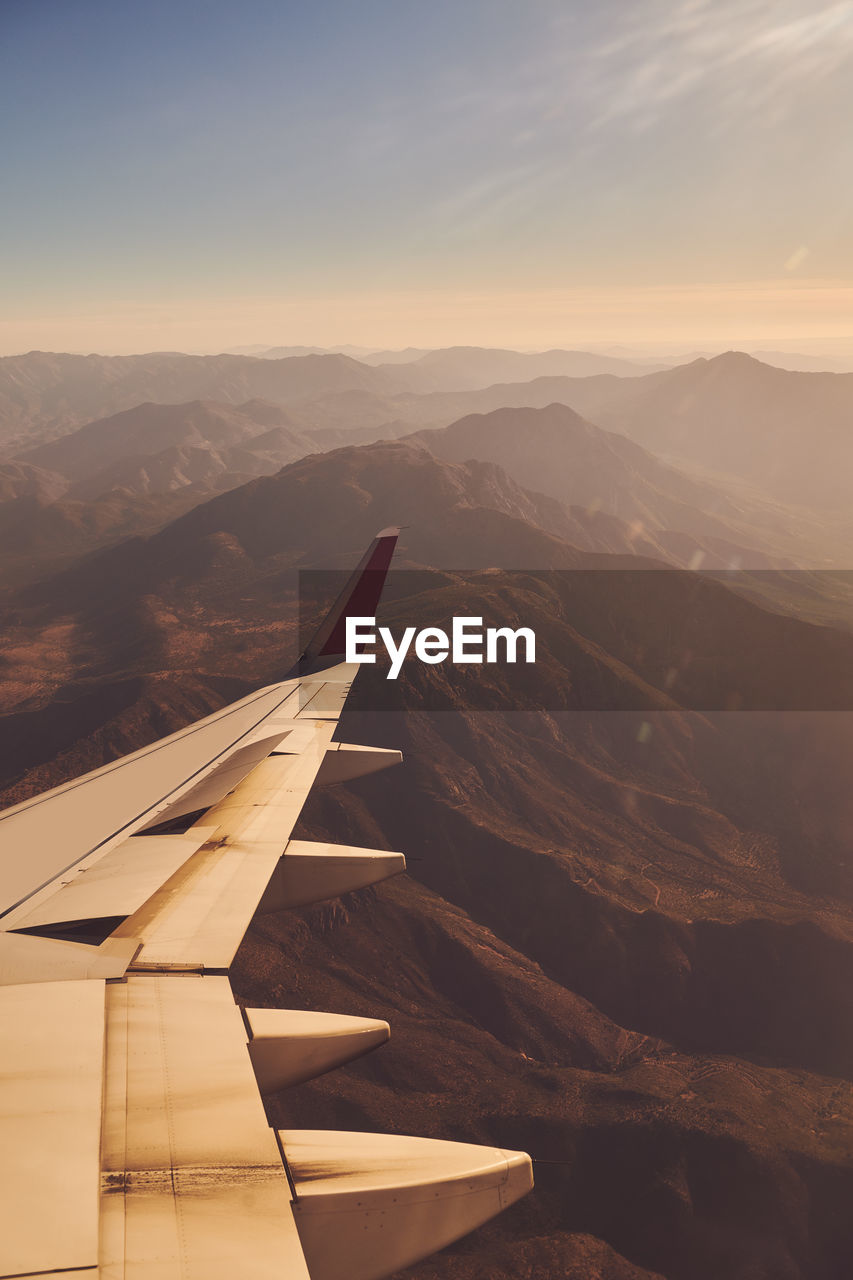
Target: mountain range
(143, 448)
(626, 939)
(43, 395)
(731, 417)
(474, 368)
(682, 516)
(626, 942)
(781, 431)
(202, 447)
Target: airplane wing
(134, 1137)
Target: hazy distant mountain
(466, 368)
(133, 472)
(365, 354)
(799, 363)
(471, 368)
(486, 517)
(402, 478)
(790, 433)
(44, 394)
(784, 433)
(288, 353)
(617, 497)
(794, 360)
(106, 453)
(404, 356)
(787, 433)
(389, 413)
(440, 408)
(139, 469)
(555, 451)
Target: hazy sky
(198, 174)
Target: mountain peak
(736, 362)
(734, 358)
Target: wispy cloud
(732, 75)
(632, 63)
(746, 55)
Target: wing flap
(25, 959)
(199, 916)
(47, 836)
(216, 784)
(193, 1185)
(116, 885)
(346, 761)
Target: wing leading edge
(133, 1118)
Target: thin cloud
(744, 55)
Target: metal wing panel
(51, 1062)
(198, 918)
(187, 899)
(322, 697)
(193, 1185)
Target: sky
(197, 174)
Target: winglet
(359, 598)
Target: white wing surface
(134, 1137)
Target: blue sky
(202, 174)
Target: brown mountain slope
(684, 634)
(21, 480)
(626, 940)
(138, 494)
(41, 537)
(132, 473)
(148, 429)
